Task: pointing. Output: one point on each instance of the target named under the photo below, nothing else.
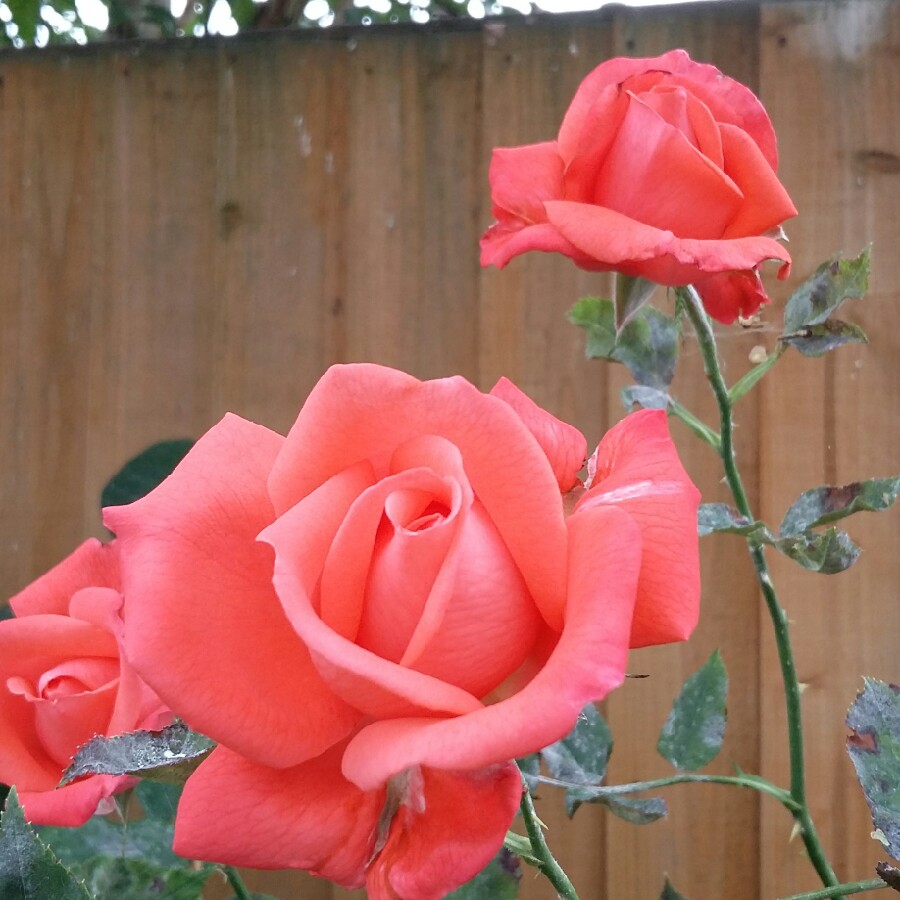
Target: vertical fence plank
(830, 79)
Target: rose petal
(74, 804)
(236, 812)
(91, 565)
(432, 851)
(196, 577)
(509, 238)
(371, 684)
(522, 178)
(480, 622)
(587, 662)
(622, 244)
(766, 203)
(731, 294)
(344, 418)
(638, 470)
(564, 445)
(654, 175)
(29, 647)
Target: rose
(63, 680)
(373, 616)
(665, 169)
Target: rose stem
(237, 883)
(547, 864)
(706, 339)
(841, 890)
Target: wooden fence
(189, 228)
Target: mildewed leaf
(874, 748)
(632, 293)
(636, 810)
(582, 755)
(144, 472)
(647, 345)
(720, 517)
(28, 869)
(829, 503)
(168, 755)
(693, 732)
(818, 297)
(499, 880)
(817, 340)
(827, 552)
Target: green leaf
(499, 880)
(720, 517)
(635, 810)
(693, 732)
(669, 893)
(135, 879)
(744, 384)
(632, 293)
(159, 801)
(28, 869)
(831, 284)
(828, 552)
(171, 754)
(647, 345)
(828, 503)
(142, 474)
(817, 340)
(582, 755)
(874, 748)
(6, 612)
(27, 16)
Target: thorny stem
(545, 860)
(745, 781)
(707, 342)
(237, 883)
(841, 890)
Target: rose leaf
(645, 397)
(874, 748)
(28, 869)
(648, 344)
(146, 471)
(499, 879)
(632, 293)
(720, 517)
(817, 340)
(170, 755)
(635, 810)
(669, 893)
(582, 755)
(693, 732)
(826, 552)
(831, 284)
(829, 503)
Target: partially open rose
(374, 615)
(663, 168)
(63, 680)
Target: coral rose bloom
(665, 169)
(376, 614)
(63, 680)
